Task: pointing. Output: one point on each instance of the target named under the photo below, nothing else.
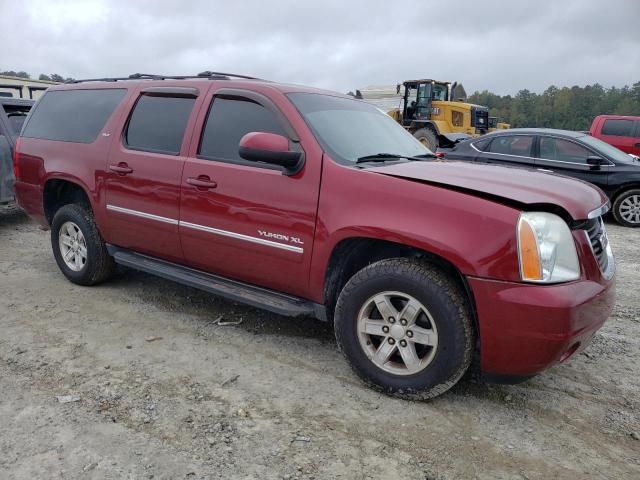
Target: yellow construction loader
(435, 112)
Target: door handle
(202, 182)
(121, 169)
(637, 145)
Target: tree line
(52, 77)
(569, 108)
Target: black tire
(427, 137)
(99, 265)
(447, 306)
(617, 204)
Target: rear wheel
(427, 137)
(405, 328)
(626, 208)
(78, 247)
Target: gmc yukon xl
(311, 203)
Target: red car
(620, 131)
(311, 203)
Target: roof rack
(148, 76)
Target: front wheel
(428, 138)
(405, 328)
(626, 208)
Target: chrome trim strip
(240, 236)
(148, 216)
(598, 212)
(216, 231)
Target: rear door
(619, 132)
(144, 170)
(516, 150)
(568, 157)
(252, 223)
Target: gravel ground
(134, 379)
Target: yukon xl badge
(280, 236)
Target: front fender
(476, 235)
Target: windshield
(610, 151)
(350, 129)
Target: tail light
(440, 154)
(16, 159)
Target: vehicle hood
(515, 185)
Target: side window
(457, 118)
(73, 115)
(519, 145)
(562, 150)
(482, 144)
(228, 121)
(617, 128)
(157, 124)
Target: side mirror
(595, 161)
(270, 148)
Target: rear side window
(157, 124)
(617, 128)
(73, 115)
(228, 121)
(519, 145)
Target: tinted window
(519, 145)
(482, 144)
(16, 115)
(562, 150)
(617, 128)
(73, 115)
(157, 124)
(231, 119)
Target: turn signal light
(530, 265)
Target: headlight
(546, 250)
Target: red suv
(620, 131)
(311, 203)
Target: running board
(234, 290)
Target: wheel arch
(60, 191)
(351, 254)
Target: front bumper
(525, 329)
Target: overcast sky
(502, 46)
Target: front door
(242, 219)
(567, 157)
(143, 174)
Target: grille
(599, 241)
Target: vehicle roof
(425, 80)
(620, 117)
(16, 102)
(194, 82)
(539, 131)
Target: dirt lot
(158, 390)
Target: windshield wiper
(379, 157)
(383, 157)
